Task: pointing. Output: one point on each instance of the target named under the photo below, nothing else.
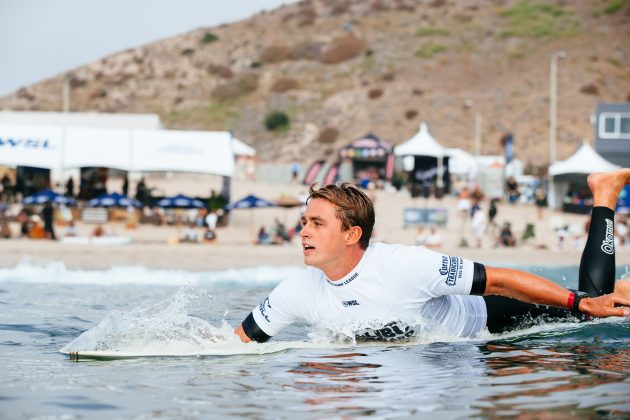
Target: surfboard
(219, 350)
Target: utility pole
(553, 107)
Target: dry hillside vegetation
(340, 69)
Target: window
(614, 125)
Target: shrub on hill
(208, 38)
(274, 54)
(284, 84)
(343, 48)
(277, 121)
(328, 135)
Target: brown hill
(340, 69)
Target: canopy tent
(59, 148)
(461, 162)
(371, 158)
(430, 157)
(573, 172)
(239, 148)
(421, 144)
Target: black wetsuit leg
(597, 277)
(597, 267)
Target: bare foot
(606, 187)
(622, 287)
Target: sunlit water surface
(563, 369)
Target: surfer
(375, 289)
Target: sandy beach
(155, 246)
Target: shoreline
(225, 256)
(156, 247)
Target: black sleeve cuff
(479, 280)
(253, 331)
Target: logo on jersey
(608, 244)
(453, 268)
(263, 308)
(346, 281)
(347, 303)
(390, 332)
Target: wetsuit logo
(263, 309)
(453, 266)
(608, 244)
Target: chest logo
(347, 303)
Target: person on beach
(372, 291)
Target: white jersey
(391, 283)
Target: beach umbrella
(181, 201)
(113, 200)
(45, 196)
(250, 202)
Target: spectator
(511, 189)
(540, 198)
(48, 216)
(478, 223)
(506, 238)
(5, 231)
(190, 234)
(263, 236)
(70, 187)
(434, 240)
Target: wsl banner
(39, 146)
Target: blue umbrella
(250, 202)
(45, 196)
(113, 200)
(181, 201)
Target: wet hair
(353, 207)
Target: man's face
(323, 241)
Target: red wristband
(570, 301)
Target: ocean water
(559, 369)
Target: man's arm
(531, 288)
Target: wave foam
(28, 271)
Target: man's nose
(304, 232)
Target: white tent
(421, 144)
(186, 151)
(461, 162)
(575, 169)
(241, 149)
(60, 148)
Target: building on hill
(612, 132)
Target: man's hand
(604, 306)
(245, 339)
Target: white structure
(423, 144)
(575, 169)
(67, 147)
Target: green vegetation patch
(539, 20)
(431, 31)
(429, 50)
(277, 121)
(209, 38)
(217, 116)
(614, 6)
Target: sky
(42, 38)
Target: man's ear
(353, 235)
